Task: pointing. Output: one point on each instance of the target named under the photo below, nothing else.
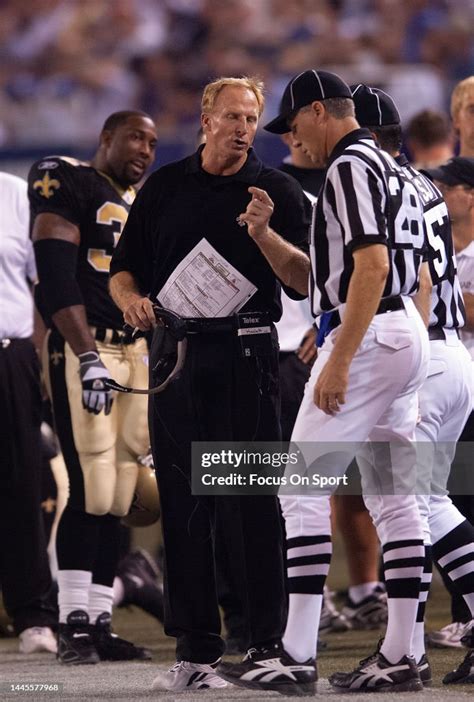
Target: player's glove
(146, 459)
(95, 396)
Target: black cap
(457, 171)
(373, 107)
(304, 89)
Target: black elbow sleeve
(56, 261)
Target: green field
(132, 681)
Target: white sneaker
(449, 636)
(185, 675)
(331, 619)
(37, 639)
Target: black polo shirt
(181, 203)
(310, 179)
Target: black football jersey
(99, 207)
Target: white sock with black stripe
(403, 569)
(308, 560)
(454, 554)
(419, 635)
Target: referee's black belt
(441, 334)
(111, 336)
(388, 304)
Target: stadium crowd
(67, 64)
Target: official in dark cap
(375, 110)
(304, 89)
(457, 171)
(356, 279)
(374, 107)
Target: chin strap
(176, 325)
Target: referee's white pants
(445, 404)
(381, 406)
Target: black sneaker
(377, 674)
(370, 613)
(111, 647)
(75, 645)
(464, 673)
(424, 670)
(272, 669)
(141, 583)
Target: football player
(78, 211)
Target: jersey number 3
(110, 213)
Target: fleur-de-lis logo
(49, 505)
(46, 185)
(56, 358)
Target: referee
(367, 244)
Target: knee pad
(145, 507)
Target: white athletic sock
(419, 641)
(301, 635)
(308, 559)
(357, 593)
(403, 568)
(398, 641)
(101, 599)
(73, 592)
(119, 591)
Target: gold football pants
(100, 451)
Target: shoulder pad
(51, 162)
(73, 161)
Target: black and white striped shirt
(447, 304)
(366, 198)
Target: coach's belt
(111, 336)
(212, 325)
(388, 304)
(442, 334)
(253, 329)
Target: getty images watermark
(310, 468)
(252, 469)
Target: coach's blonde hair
(458, 94)
(212, 90)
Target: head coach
(224, 392)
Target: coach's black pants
(294, 375)
(220, 396)
(24, 569)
